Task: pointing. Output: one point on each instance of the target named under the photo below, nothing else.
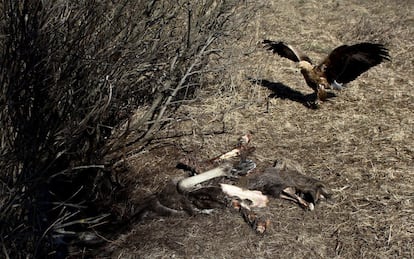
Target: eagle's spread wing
(345, 63)
(285, 50)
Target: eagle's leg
(318, 96)
(313, 101)
(321, 93)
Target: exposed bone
(189, 184)
(233, 153)
(189, 163)
(236, 152)
(311, 206)
(257, 223)
(258, 200)
(242, 147)
(290, 194)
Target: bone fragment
(241, 146)
(256, 197)
(257, 223)
(232, 153)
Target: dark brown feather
(286, 51)
(346, 63)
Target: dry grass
(360, 143)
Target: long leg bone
(190, 183)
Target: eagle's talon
(312, 105)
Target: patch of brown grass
(360, 143)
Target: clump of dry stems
(72, 74)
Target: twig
(183, 80)
(5, 251)
(77, 168)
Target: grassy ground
(361, 143)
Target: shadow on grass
(283, 91)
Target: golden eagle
(342, 65)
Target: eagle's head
(305, 65)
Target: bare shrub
(72, 73)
